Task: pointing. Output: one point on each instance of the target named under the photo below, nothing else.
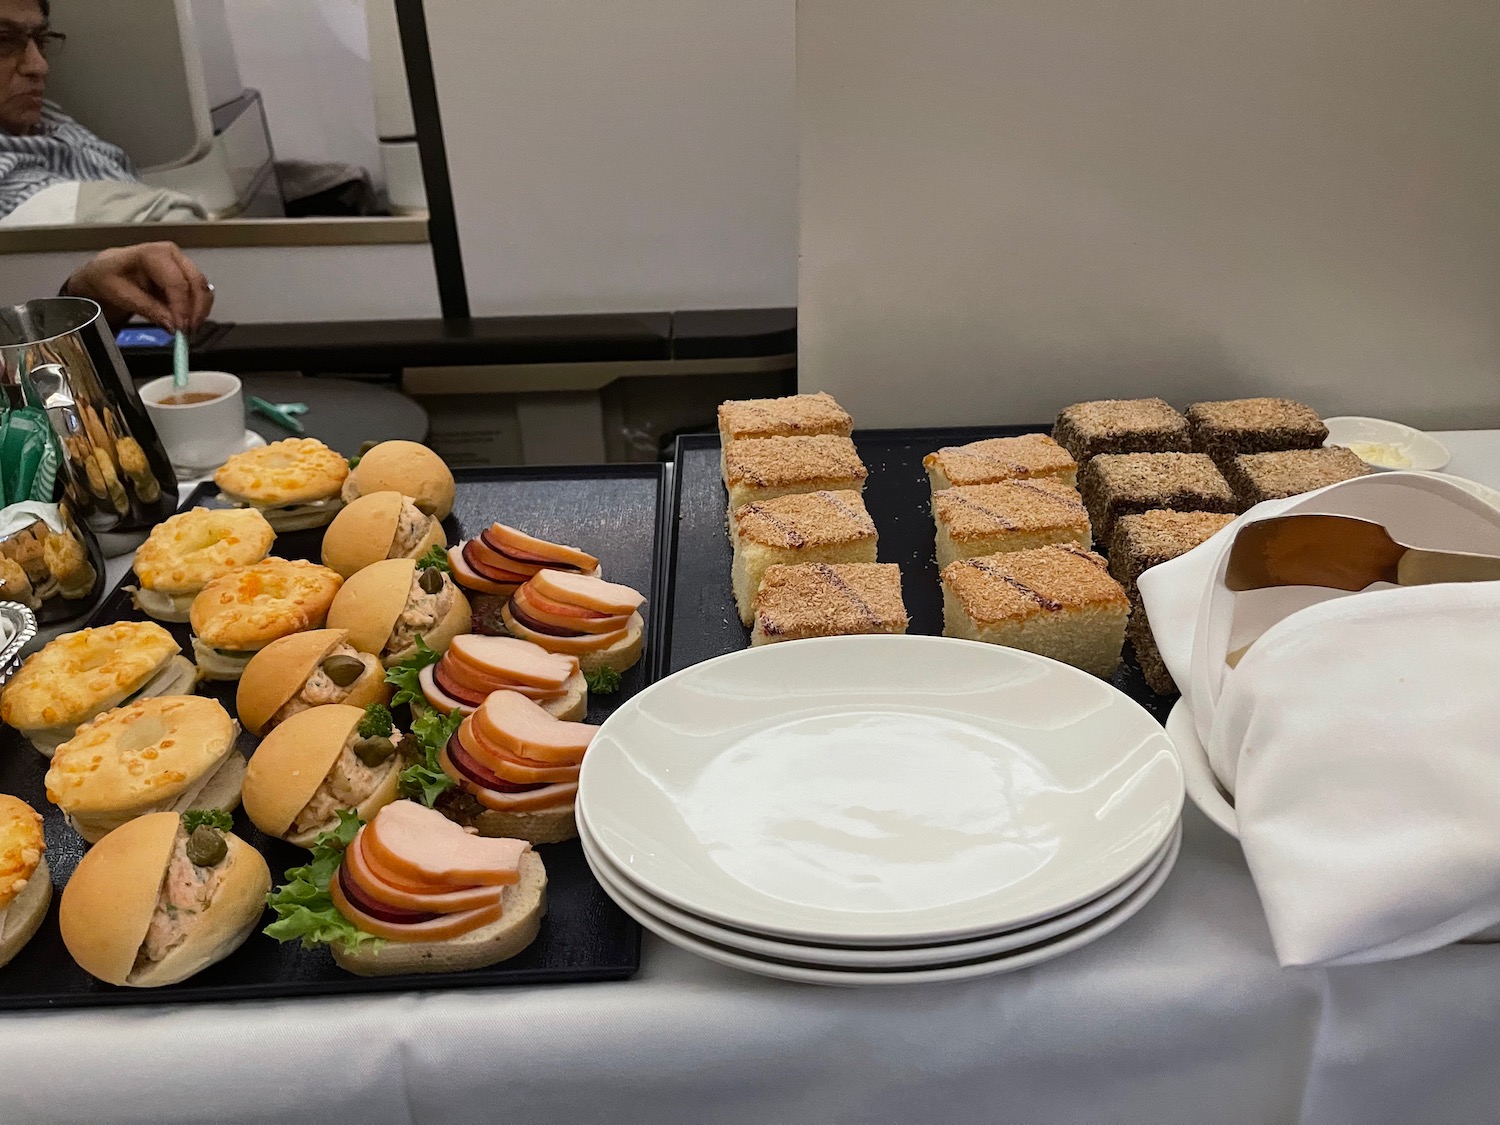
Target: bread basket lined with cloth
(1358, 733)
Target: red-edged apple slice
(580, 590)
(560, 615)
(509, 798)
(440, 928)
(508, 767)
(436, 697)
(555, 640)
(466, 575)
(528, 548)
(487, 564)
(391, 895)
(464, 684)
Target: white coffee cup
(198, 435)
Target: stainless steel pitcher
(58, 353)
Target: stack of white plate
(881, 809)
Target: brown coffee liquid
(187, 398)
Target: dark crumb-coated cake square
(1116, 484)
(1253, 425)
(1290, 472)
(1119, 425)
(1146, 539)
(1148, 655)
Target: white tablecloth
(1180, 1016)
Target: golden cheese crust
(249, 608)
(146, 753)
(21, 846)
(189, 550)
(66, 681)
(293, 471)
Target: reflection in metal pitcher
(49, 562)
(59, 354)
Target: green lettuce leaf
(214, 818)
(304, 909)
(603, 681)
(404, 675)
(425, 780)
(437, 558)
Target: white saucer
(848, 978)
(1423, 452)
(880, 790)
(192, 472)
(617, 885)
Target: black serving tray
(617, 512)
(700, 613)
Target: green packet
(28, 456)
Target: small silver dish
(22, 622)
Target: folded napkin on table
(1359, 734)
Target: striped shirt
(60, 151)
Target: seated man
(43, 150)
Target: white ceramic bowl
(1370, 436)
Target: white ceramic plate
(883, 790)
(920, 957)
(1423, 451)
(849, 978)
(252, 440)
(1203, 787)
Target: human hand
(154, 280)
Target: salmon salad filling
(350, 782)
(320, 688)
(411, 530)
(186, 890)
(422, 612)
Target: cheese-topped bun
(189, 550)
(235, 616)
(380, 525)
(25, 882)
(389, 604)
(296, 483)
(152, 904)
(173, 752)
(80, 675)
(405, 467)
(314, 764)
(306, 670)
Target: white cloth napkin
(1360, 734)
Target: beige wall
(1009, 206)
(612, 156)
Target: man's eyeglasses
(13, 43)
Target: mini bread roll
(366, 530)
(293, 762)
(279, 672)
(372, 602)
(109, 904)
(408, 468)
